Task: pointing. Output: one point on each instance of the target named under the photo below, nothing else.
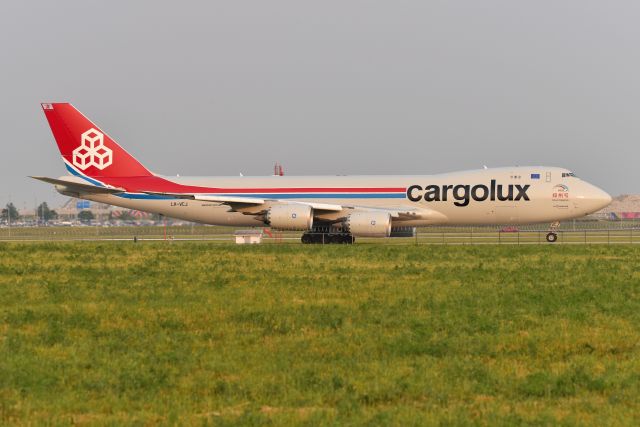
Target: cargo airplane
(330, 209)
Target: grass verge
(197, 333)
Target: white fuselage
(547, 194)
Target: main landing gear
(327, 238)
(552, 236)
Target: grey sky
(331, 87)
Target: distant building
(623, 207)
(72, 207)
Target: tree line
(10, 213)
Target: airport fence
(586, 233)
(528, 237)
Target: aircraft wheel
(320, 238)
(334, 238)
(307, 238)
(552, 237)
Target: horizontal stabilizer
(79, 187)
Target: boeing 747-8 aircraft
(326, 208)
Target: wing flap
(206, 198)
(418, 214)
(229, 199)
(320, 206)
(402, 213)
(241, 200)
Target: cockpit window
(567, 174)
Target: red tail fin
(85, 148)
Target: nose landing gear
(552, 236)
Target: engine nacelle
(290, 217)
(369, 224)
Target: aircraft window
(567, 174)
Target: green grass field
(198, 333)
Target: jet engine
(290, 217)
(369, 224)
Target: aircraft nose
(597, 198)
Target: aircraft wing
(72, 185)
(256, 205)
(240, 201)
